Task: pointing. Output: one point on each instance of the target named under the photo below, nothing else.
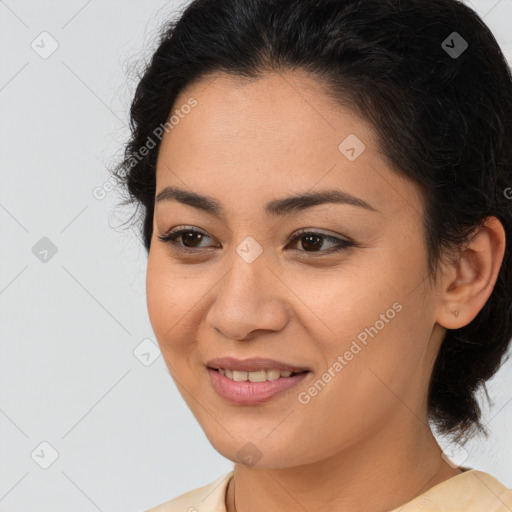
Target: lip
(252, 364)
(251, 393)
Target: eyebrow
(275, 207)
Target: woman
(326, 212)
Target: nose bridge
(248, 269)
(247, 299)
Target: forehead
(277, 132)
(289, 103)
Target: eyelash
(172, 237)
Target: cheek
(166, 302)
(174, 296)
(339, 303)
(371, 326)
(159, 298)
(362, 383)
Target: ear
(468, 282)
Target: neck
(380, 473)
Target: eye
(311, 241)
(188, 235)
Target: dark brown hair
(442, 113)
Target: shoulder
(471, 491)
(208, 498)
(490, 492)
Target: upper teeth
(259, 376)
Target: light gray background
(69, 326)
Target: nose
(250, 298)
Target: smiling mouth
(256, 376)
(248, 388)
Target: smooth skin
(363, 442)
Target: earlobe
(467, 285)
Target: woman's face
(361, 320)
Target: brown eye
(190, 238)
(312, 242)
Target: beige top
(471, 491)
